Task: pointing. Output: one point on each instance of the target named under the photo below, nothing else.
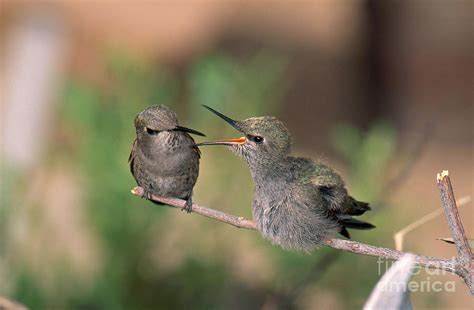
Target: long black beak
(225, 118)
(189, 130)
(241, 140)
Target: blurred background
(380, 90)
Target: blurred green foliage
(367, 155)
(101, 120)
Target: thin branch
(233, 220)
(457, 230)
(370, 250)
(452, 214)
(345, 245)
(400, 235)
(462, 266)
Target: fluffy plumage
(297, 202)
(164, 159)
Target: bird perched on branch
(164, 159)
(297, 202)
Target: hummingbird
(297, 202)
(164, 159)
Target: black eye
(151, 131)
(256, 139)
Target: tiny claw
(188, 206)
(146, 194)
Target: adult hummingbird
(164, 159)
(297, 202)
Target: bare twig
(370, 250)
(400, 235)
(233, 220)
(345, 245)
(466, 264)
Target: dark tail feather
(357, 207)
(356, 224)
(345, 233)
(354, 208)
(353, 224)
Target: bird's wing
(325, 178)
(131, 158)
(328, 185)
(332, 189)
(195, 148)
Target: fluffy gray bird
(297, 202)
(164, 159)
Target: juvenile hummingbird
(297, 202)
(164, 159)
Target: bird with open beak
(297, 202)
(164, 159)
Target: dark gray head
(265, 138)
(156, 119)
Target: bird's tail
(356, 207)
(353, 224)
(356, 224)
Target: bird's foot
(146, 194)
(188, 206)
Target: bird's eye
(256, 139)
(151, 132)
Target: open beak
(241, 140)
(188, 130)
(225, 118)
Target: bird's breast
(268, 198)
